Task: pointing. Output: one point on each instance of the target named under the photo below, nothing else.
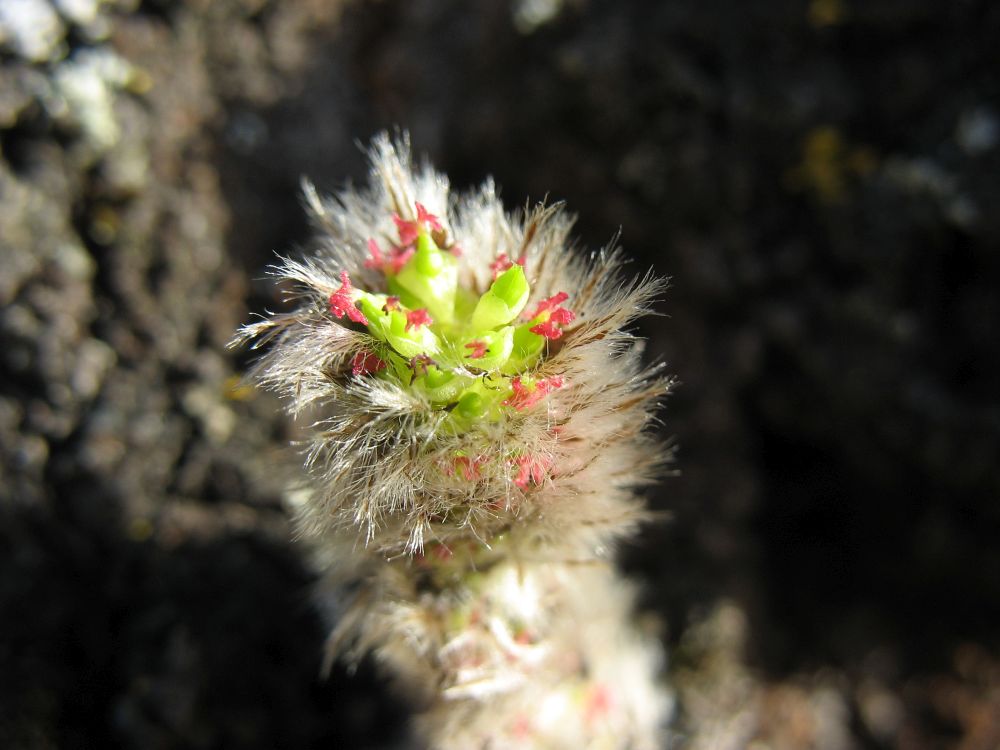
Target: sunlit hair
(479, 418)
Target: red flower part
(548, 305)
(399, 257)
(420, 363)
(504, 263)
(468, 466)
(550, 315)
(520, 396)
(531, 469)
(524, 637)
(341, 303)
(366, 363)
(598, 703)
(562, 316)
(425, 217)
(548, 329)
(478, 349)
(526, 396)
(410, 230)
(377, 260)
(391, 303)
(407, 230)
(456, 251)
(417, 318)
(522, 727)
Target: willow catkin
(479, 416)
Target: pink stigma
(531, 470)
(410, 230)
(549, 305)
(522, 727)
(420, 363)
(417, 318)
(377, 260)
(391, 304)
(598, 703)
(504, 263)
(468, 466)
(478, 349)
(526, 396)
(407, 230)
(548, 329)
(428, 219)
(366, 363)
(341, 303)
(398, 257)
(550, 315)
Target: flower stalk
(479, 415)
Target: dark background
(820, 179)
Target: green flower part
(462, 351)
(428, 280)
(505, 299)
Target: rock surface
(819, 178)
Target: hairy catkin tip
(490, 371)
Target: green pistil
(442, 386)
(526, 348)
(428, 279)
(391, 327)
(496, 348)
(505, 298)
(471, 406)
(464, 359)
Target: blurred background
(819, 178)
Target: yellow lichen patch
(828, 165)
(823, 13)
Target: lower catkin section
(508, 652)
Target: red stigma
(377, 260)
(531, 470)
(398, 257)
(478, 347)
(417, 318)
(526, 396)
(522, 727)
(548, 329)
(420, 363)
(366, 363)
(410, 230)
(550, 315)
(468, 466)
(504, 263)
(341, 303)
(391, 304)
(598, 703)
(407, 230)
(425, 217)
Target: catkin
(479, 427)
